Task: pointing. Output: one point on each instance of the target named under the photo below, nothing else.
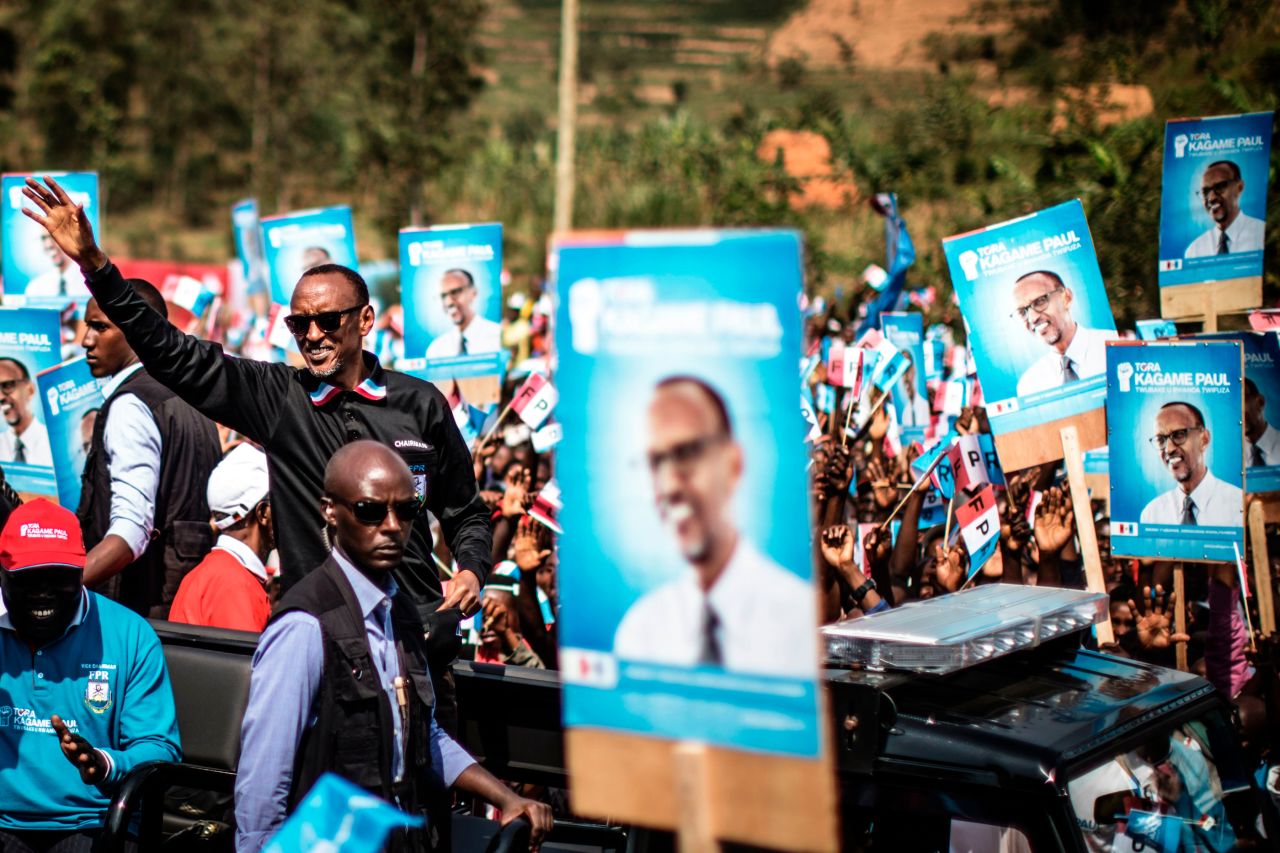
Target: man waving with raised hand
(301, 417)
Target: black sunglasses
(328, 321)
(375, 512)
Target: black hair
(1250, 387)
(150, 295)
(461, 273)
(353, 278)
(717, 401)
(22, 368)
(88, 412)
(1199, 415)
(1235, 170)
(1047, 273)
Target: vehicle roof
(1017, 718)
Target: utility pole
(568, 115)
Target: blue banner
(248, 236)
(337, 816)
(911, 396)
(30, 342)
(451, 291)
(676, 350)
(1154, 330)
(71, 398)
(1261, 407)
(1038, 316)
(1173, 420)
(1213, 204)
(296, 242)
(33, 265)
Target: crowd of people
(335, 506)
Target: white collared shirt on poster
(1217, 504)
(1244, 234)
(1087, 352)
(481, 336)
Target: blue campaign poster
(451, 291)
(1213, 203)
(248, 235)
(296, 242)
(1038, 314)
(677, 350)
(71, 397)
(1173, 422)
(30, 342)
(910, 396)
(34, 266)
(1261, 407)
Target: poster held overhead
(690, 618)
(1261, 408)
(296, 242)
(30, 342)
(451, 291)
(1176, 449)
(1039, 318)
(33, 265)
(1213, 211)
(71, 397)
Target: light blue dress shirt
(132, 443)
(287, 669)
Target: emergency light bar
(951, 632)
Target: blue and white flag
(338, 816)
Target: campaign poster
(30, 342)
(296, 242)
(675, 350)
(910, 396)
(1039, 319)
(71, 398)
(189, 290)
(33, 265)
(451, 292)
(247, 231)
(1213, 202)
(1177, 473)
(1261, 408)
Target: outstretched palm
(1055, 522)
(65, 221)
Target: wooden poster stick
(1261, 568)
(1180, 613)
(1085, 531)
(488, 435)
(696, 833)
(924, 478)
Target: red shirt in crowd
(227, 590)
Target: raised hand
(527, 549)
(878, 546)
(66, 223)
(1055, 521)
(91, 763)
(883, 490)
(879, 426)
(515, 500)
(837, 545)
(948, 567)
(1155, 615)
(839, 469)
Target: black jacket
(189, 450)
(301, 421)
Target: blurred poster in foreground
(1177, 475)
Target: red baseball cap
(41, 534)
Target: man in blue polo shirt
(84, 693)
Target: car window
(1181, 789)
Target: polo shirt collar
(7, 624)
(244, 554)
(373, 388)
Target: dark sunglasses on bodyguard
(327, 321)
(375, 512)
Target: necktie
(1222, 242)
(1068, 372)
(710, 654)
(19, 451)
(62, 284)
(462, 344)
(1256, 459)
(1188, 511)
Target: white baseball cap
(238, 484)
